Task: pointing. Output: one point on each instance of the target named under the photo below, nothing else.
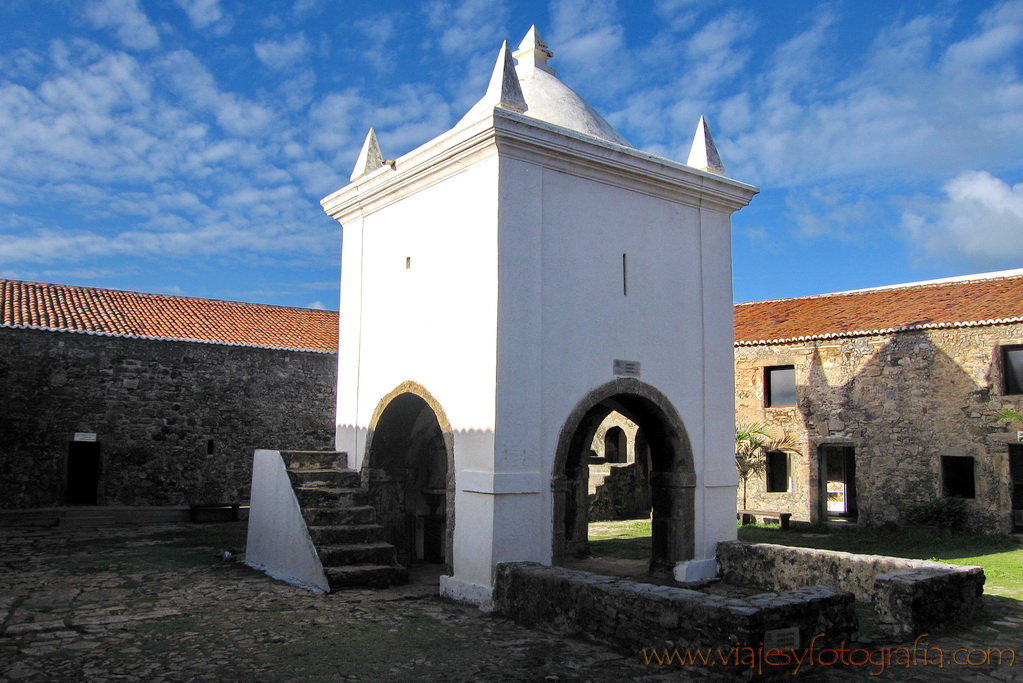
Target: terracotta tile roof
(960, 302)
(64, 308)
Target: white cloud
(465, 27)
(194, 84)
(979, 222)
(318, 305)
(126, 18)
(305, 8)
(588, 41)
(201, 13)
(282, 55)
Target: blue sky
(182, 146)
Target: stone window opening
(780, 386)
(957, 476)
(211, 447)
(777, 472)
(1012, 369)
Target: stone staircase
(342, 526)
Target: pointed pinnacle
(703, 154)
(504, 90)
(533, 52)
(370, 158)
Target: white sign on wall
(85, 436)
(626, 368)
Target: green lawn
(1000, 554)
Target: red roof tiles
(88, 310)
(980, 300)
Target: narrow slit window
(625, 276)
(210, 447)
(408, 263)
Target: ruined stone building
(890, 395)
(122, 398)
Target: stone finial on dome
(370, 158)
(533, 53)
(504, 90)
(703, 154)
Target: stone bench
(749, 516)
(197, 514)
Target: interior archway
(409, 472)
(671, 476)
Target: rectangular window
(777, 472)
(780, 385)
(957, 476)
(1012, 369)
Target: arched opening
(671, 477)
(616, 446)
(619, 471)
(410, 475)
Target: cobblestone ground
(156, 603)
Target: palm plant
(752, 443)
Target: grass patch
(999, 554)
(628, 539)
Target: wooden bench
(749, 516)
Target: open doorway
(669, 475)
(84, 467)
(409, 471)
(1016, 482)
(838, 481)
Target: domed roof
(543, 95)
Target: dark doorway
(83, 473)
(408, 458)
(838, 481)
(671, 478)
(1016, 478)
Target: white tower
(503, 288)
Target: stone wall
(910, 596)
(176, 422)
(630, 616)
(901, 402)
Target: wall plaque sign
(85, 436)
(626, 368)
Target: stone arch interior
(669, 475)
(408, 482)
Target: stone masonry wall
(629, 616)
(154, 406)
(901, 401)
(910, 596)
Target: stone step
(368, 575)
(339, 516)
(315, 460)
(357, 553)
(324, 478)
(316, 497)
(346, 534)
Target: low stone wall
(910, 596)
(631, 616)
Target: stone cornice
(520, 137)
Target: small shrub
(949, 513)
